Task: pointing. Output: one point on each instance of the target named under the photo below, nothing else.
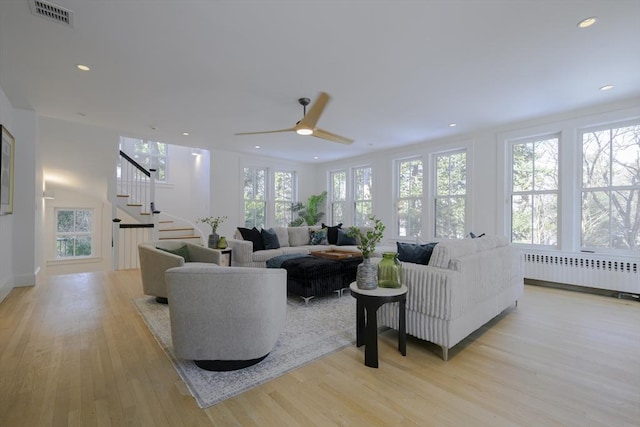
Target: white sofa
(293, 240)
(465, 284)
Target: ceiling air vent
(51, 11)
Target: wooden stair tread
(178, 237)
(176, 229)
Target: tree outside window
(255, 197)
(338, 196)
(74, 230)
(363, 203)
(534, 191)
(611, 188)
(410, 193)
(450, 195)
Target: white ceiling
(398, 71)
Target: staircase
(134, 202)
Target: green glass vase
(389, 271)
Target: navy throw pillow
(252, 235)
(416, 254)
(270, 239)
(332, 233)
(344, 240)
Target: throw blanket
(276, 262)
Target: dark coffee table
(311, 276)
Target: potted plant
(309, 214)
(367, 274)
(213, 222)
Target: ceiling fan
(307, 125)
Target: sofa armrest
(199, 253)
(242, 251)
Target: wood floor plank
(74, 351)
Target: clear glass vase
(389, 271)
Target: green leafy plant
(369, 240)
(310, 213)
(213, 221)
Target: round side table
(370, 300)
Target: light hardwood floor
(74, 351)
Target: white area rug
(323, 326)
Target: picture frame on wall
(6, 171)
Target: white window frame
(356, 197)
(334, 201)
(254, 200)
(398, 200)
(273, 205)
(610, 188)
(435, 197)
(532, 192)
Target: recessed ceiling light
(257, 146)
(606, 87)
(587, 22)
(83, 67)
(452, 125)
(185, 133)
(315, 157)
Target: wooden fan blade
(311, 118)
(319, 133)
(266, 131)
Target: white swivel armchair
(226, 318)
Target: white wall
(19, 264)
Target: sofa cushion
(344, 240)
(332, 233)
(182, 251)
(298, 236)
(252, 235)
(283, 236)
(318, 237)
(417, 254)
(270, 239)
(448, 250)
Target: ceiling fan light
(304, 131)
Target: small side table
(367, 330)
(224, 257)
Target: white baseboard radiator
(617, 274)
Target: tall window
(149, 154)
(410, 192)
(363, 204)
(534, 191)
(255, 197)
(283, 196)
(450, 195)
(74, 230)
(338, 196)
(611, 187)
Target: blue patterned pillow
(318, 237)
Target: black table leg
(371, 337)
(402, 333)
(359, 323)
